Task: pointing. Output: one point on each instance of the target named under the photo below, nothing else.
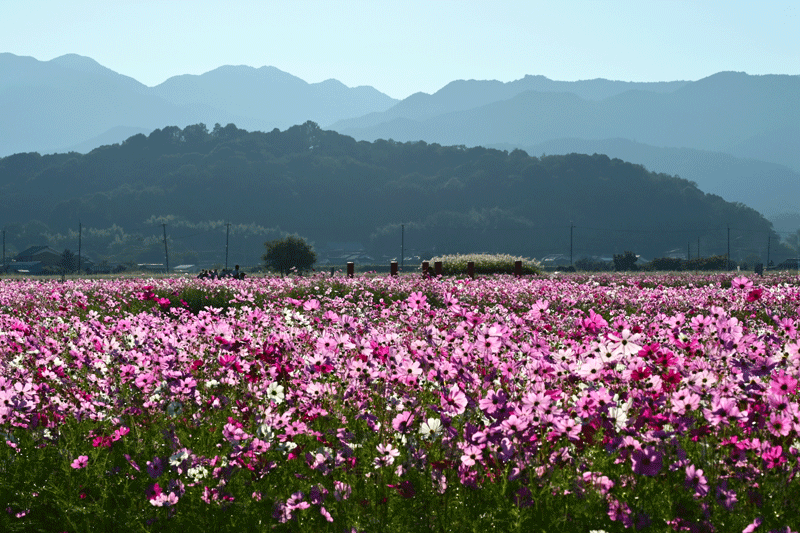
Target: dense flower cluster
(658, 400)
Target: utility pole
(571, 226)
(227, 234)
(402, 244)
(4, 250)
(80, 230)
(768, 243)
(166, 254)
(728, 257)
(688, 250)
(698, 247)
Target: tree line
(328, 187)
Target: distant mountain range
(745, 116)
(62, 104)
(733, 134)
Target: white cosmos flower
(620, 414)
(178, 457)
(197, 473)
(275, 392)
(265, 432)
(431, 427)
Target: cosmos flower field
(371, 404)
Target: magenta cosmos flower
(646, 461)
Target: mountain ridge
(77, 99)
(72, 102)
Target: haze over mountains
(733, 134)
(58, 105)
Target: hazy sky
(404, 46)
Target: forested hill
(330, 189)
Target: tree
(290, 252)
(625, 263)
(69, 261)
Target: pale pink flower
(624, 344)
(454, 402)
(388, 453)
(81, 462)
(471, 455)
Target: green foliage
(289, 254)
(707, 264)
(625, 262)
(343, 190)
(668, 264)
(69, 261)
(586, 264)
(484, 264)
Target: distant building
(186, 269)
(24, 267)
(553, 260)
(152, 267)
(41, 254)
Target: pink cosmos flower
(789, 327)
(417, 300)
(493, 401)
(591, 369)
(741, 282)
(471, 455)
(783, 383)
(410, 370)
(297, 501)
(164, 500)
(403, 421)
(536, 401)
(81, 462)
(324, 512)
(341, 491)
(594, 322)
(488, 344)
(119, 433)
(454, 402)
(311, 305)
(600, 482)
(701, 323)
(145, 380)
(515, 424)
(388, 453)
(697, 481)
(566, 426)
(773, 456)
(753, 526)
(779, 424)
